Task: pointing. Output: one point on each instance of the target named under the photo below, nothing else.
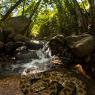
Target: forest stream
(37, 72)
(47, 47)
(10, 74)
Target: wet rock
(19, 44)
(34, 45)
(81, 45)
(26, 55)
(56, 44)
(21, 49)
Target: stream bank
(30, 57)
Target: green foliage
(43, 18)
(48, 17)
(50, 28)
(84, 4)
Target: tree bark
(10, 10)
(92, 16)
(61, 14)
(83, 24)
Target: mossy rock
(16, 24)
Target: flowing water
(29, 63)
(39, 64)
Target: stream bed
(33, 62)
(10, 72)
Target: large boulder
(56, 44)
(81, 45)
(34, 45)
(16, 24)
(12, 27)
(25, 56)
(57, 38)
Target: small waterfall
(42, 63)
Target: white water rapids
(42, 63)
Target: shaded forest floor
(10, 86)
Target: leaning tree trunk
(10, 10)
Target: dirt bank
(10, 86)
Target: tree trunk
(83, 24)
(61, 14)
(10, 10)
(92, 16)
